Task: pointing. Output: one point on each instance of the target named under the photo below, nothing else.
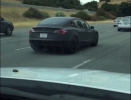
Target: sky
(85, 1)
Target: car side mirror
(92, 27)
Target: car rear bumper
(48, 43)
(125, 28)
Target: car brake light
(32, 30)
(60, 31)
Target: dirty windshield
(69, 37)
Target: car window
(88, 26)
(72, 24)
(52, 21)
(85, 26)
(79, 24)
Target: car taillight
(32, 30)
(60, 31)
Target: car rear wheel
(74, 45)
(95, 41)
(119, 29)
(37, 48)
(8, 31)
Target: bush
(101, 12)
(94, 18)
(28, 14)
(60, 14)
(113, 13)
(34, 13)
(82, 14)
(45, 14)
(73, 15)
(111, 16)
(105, 14)
(107, 0)
(101, 18)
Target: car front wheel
(119, 29)
(8, 31)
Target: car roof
(64, 18)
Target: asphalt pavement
(111, 54)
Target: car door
(88, 31)
(81, 30)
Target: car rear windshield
(53, 21)
(119, 18)
(126, 19)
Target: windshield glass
(119, 18)
(52, 21)
(84, 43)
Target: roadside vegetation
(16, 15)
(28, 17)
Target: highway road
(111, 54)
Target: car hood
(112, 81)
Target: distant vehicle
(64, 32)
(117, 20)
(125, 24)
(128, 16)
(6, 27)
(86, 10)
(41, 83)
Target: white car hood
(117, 82)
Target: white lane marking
(5, 38)
(22, 48)
(79, 65)
(73, 75)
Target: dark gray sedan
(6, 27)
(64, 32)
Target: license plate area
(43, 35)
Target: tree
(69, 4)
(107, 0)
(92, 6)
(125, 8)
(101, 0)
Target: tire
(119, 29)
(114, 25)
(36, 49)
(8, 31)
(95, 41)
(74, 44)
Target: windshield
(119, 18)
(75, 42)
(52, 21)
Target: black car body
(6, 27)
(66, 32)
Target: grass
(12, 1)
(112, 2)
(15, 15)
(100, 22)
